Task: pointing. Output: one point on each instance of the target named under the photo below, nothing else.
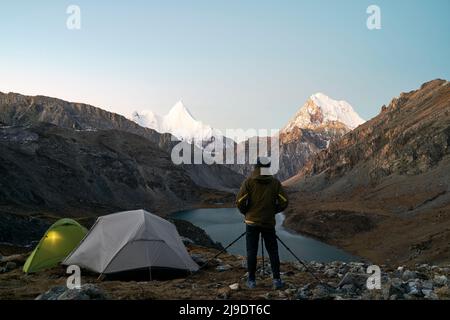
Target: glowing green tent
(59, 240)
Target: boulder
(408, 275)
(198, 259)
(323, 292)
(52, 294)
(223, 267)
(330, 273)
(304, 293)
(86, 292)
(234, 286)
(395, 287)
(414, 288)
(359, 280)
(440, 281)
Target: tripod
(262, 253)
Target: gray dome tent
(131, 240)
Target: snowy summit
(320, 110)
(180, 123)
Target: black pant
(271, 245)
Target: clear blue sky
(236, 64)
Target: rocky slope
(20, 110)
(382, 191)
(67, 172)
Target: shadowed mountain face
(64, 171)
(382, 191)
(20, 110)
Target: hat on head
(263, 162)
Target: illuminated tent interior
(57, 243)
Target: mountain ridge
(382, 190)
(21, 110)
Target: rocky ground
(224, 278)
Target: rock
(408, 275)
(224, 293)
(427, 285)
(322, 292)
(305, 292)
(408, 297)
(349, 289)
(234, 286)
(10, 266)
(440, 281)
(359, 280)
(86, 292)
(223, 267)
(423, 267)
(330, 273)
(290, 292)
(187, 241)
(395, 287)
(299, 267)
(443, 292)
(52, 294)
(198, 259)
(429, 294)
(17, 258)
(415, 288)
(267, 296)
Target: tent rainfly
(56, 244)
(131, 240)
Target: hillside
(67, 172)
(382, 191)
(20, 110)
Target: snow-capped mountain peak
(179, 110)
(178, 122)
(320, 109)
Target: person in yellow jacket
(260, 198)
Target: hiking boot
(278, 284)
(251, 284)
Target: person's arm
(242, 198)
(282, 199)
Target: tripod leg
(222, 251)
(262, 255)
(299, 260)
